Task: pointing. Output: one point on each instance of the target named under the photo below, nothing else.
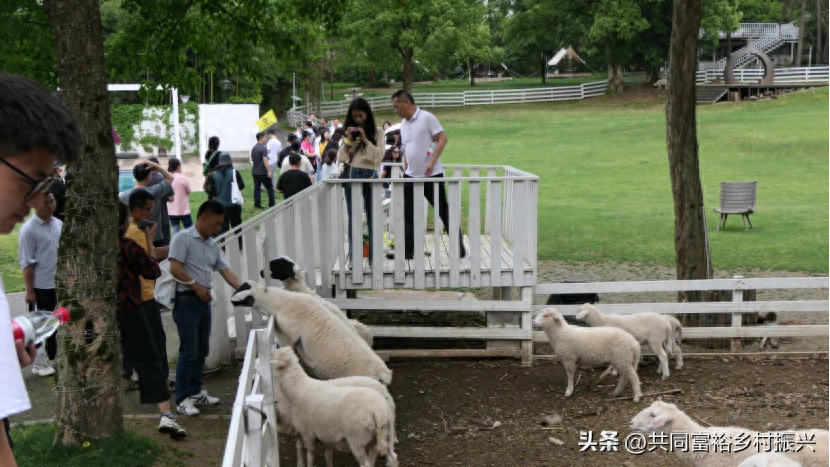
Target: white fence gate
(816, 74)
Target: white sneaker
(169, 426)
(203, 398)
(186, 407)
(43, 370)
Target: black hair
(295, 145)
(337, 136)
(213, 146)
(386, 123)
(403, 95)
(369, 125)
(123, 214)
(211, 206)
(173, 164)
(308, 122)
(141, 172)
(32, 117)
(260, 135)
(139, 198)
(153, 159)
(389, 156)
(294, 159)
(272, 131)
(290, 138)
(331, 156)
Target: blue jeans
(366, 188)
(180, 223)
(192, 318)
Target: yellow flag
(266, 120)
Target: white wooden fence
(463, 98)
(252, 435)
(816, 74)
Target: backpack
(207, 171)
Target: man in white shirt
(38, 131)
(424, 140)
(274, 147)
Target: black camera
(145, 225)
(356, 133)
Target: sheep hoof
(665, 377)
(568, 394)
(636, 399)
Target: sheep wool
(650, 328)
(325, 343)
(667, 418)
(591, 347)
(357, 416)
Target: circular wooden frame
(729, 69)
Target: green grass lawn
(33, 446)
(604, 190)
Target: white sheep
(577, 346)
(293, 279)
(329, 347)
(667, 418)
(650, 328)
(661, 83)
(677, 332)
(357, 416)
(769, 459)
(286, 423)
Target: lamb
(667, 418)
(649, 328)
(592, 347)
(769, 459)
(661, 83)
(357, 416)
(286, 424)
(293, 279)
(327, 345)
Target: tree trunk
(407, 69)
(653, 74)
(784, 11)
(616, 82)
(472, 73)
(819, 38)
(371, 76)
(728, 45)
(544, 71)
(799, 49)
(89, 380)
(690, 244)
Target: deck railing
(815, 74)
(493, 206)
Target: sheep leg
(309, 447)
(359, 453)
(570, 369)
(391, 456)
(678, 355)
(620, 384)
(657, 347)
(631, 375)
(371, 457)
(300, 454)
(329, 457)
(609, 370)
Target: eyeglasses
(38, 186)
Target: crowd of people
(157, 232)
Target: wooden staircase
(708, 94)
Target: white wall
(234, 124)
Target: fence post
(266, 382)
(252, 411)
(582, 91)
(737, 297)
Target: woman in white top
(331, 168)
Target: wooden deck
(439, 264)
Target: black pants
(259, 182)
(47, 299)
(233, 217)
(409, 215)
(138, 342)
(153, 314)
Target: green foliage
(245, 99)
(28, 47)
(33, 445)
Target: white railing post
(253, 430)
(737, 318)
(582, 91)
(264, 342)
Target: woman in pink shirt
(179, 208)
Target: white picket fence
(816, 74)
(462, 98)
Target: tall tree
(616, 24)
(799, 49)
(691, 248)
(819, 36)
(88, 386)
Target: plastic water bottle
(37, 326)
(432, 148)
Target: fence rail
(462, 98)
(816, 74)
